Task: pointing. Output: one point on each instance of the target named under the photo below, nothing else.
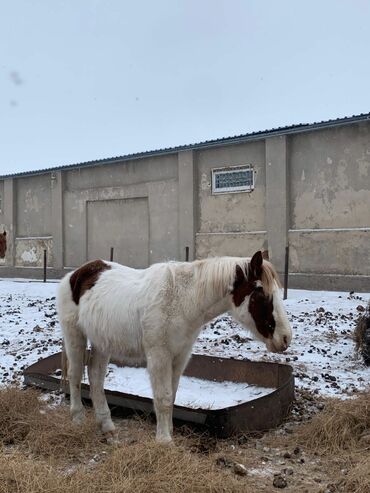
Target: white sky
(90, 79)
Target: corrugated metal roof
(237, 139)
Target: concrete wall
(312, 191)
(112, 193)
(330, 201)
(33, 230)
(231, 223)
(33, 208)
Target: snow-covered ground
(322, 350)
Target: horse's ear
(239, 276)
(256, 264)
(4, 233)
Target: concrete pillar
(9, 204)
(277, 200)
(186, 203)
(57, 218)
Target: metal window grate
(240, 179)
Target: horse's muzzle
(273, 347)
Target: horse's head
(258, 305)
(2, 244)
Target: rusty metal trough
(259, 414)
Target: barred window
(235, 179)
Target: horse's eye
(270, 327)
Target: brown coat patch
(242, 287)
(2, 244)
(260, 306)
(85, 278)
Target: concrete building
(306, 185)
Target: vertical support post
(187, 254)
(286, 269)
(111, 253)
(57, 216)
(277, 199)
(187, 200)
(9, 218)
(45, 262)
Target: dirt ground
(323, 446)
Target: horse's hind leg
(75, 345)
(97, 367)
(159, 366)
(178, 365)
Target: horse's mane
(270, 277)
(219, 274)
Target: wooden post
(187, 254)
(45, 263)
(286, 268)
(111, 253)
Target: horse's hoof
(165, 441)
(78, 419)
(111, 437)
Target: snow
(322, 351)
(193, 392)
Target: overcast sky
(89, 79)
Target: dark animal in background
(2, 244)
(362, 335)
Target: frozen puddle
(192, 393)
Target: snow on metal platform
(273, 381)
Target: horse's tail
(67, 313)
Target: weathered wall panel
(231, 212)
(330, 178)
(1, 200)
(163, 218)
(330, 252)
(33, 206)
(121, 224)
(30, 252)
(123, 174)
(238, 245)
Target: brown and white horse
(2, 244)
(155, 315)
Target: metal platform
(256, 415)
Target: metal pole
(45, 262)
(187, 254)
(111, 253)
(286, 268)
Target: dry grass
(144, 468)
(41, 451)
(19, 474)
(339, 427)
(27, 422)
(39, 447)
(358, 479)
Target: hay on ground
(358, 478)
(340, 427)
(42, 451)
(28, 422)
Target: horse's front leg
(159, 365)
(97, 367)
